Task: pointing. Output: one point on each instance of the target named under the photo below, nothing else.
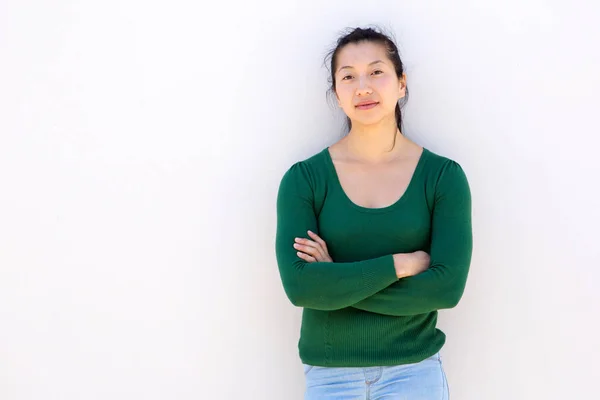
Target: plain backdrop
(141, 148)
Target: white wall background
(141, 147)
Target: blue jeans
(424, 380)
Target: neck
(375, 143)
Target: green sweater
(356, 312)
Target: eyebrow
(348, 66)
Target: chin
(371, 120)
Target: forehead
(359, 54)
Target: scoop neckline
(392, 206)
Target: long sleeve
(442, 284)
(319, 285)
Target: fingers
(306, 257)
(309, 243)
(318, 239)
(309, 247)
(317, 248)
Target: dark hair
(358, 35)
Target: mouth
(366, 106)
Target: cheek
(347, 102)
(388, 89)
(345, 94)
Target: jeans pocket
(444, 379)
(435, 357)
(307, 368)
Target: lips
(367, 105)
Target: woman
(373, 237)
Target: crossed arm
(373, 285)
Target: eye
(347, 76)
(377, 71)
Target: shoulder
(308, 172)
(439, 166)
(445, 177)
(310, 168)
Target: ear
(402, 86)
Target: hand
(410, 264)
(312, 250)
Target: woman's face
(365, 74)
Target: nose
(363, 87)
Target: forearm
(434, 289)
(331, 285)
(319, 285)
(443, 283)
